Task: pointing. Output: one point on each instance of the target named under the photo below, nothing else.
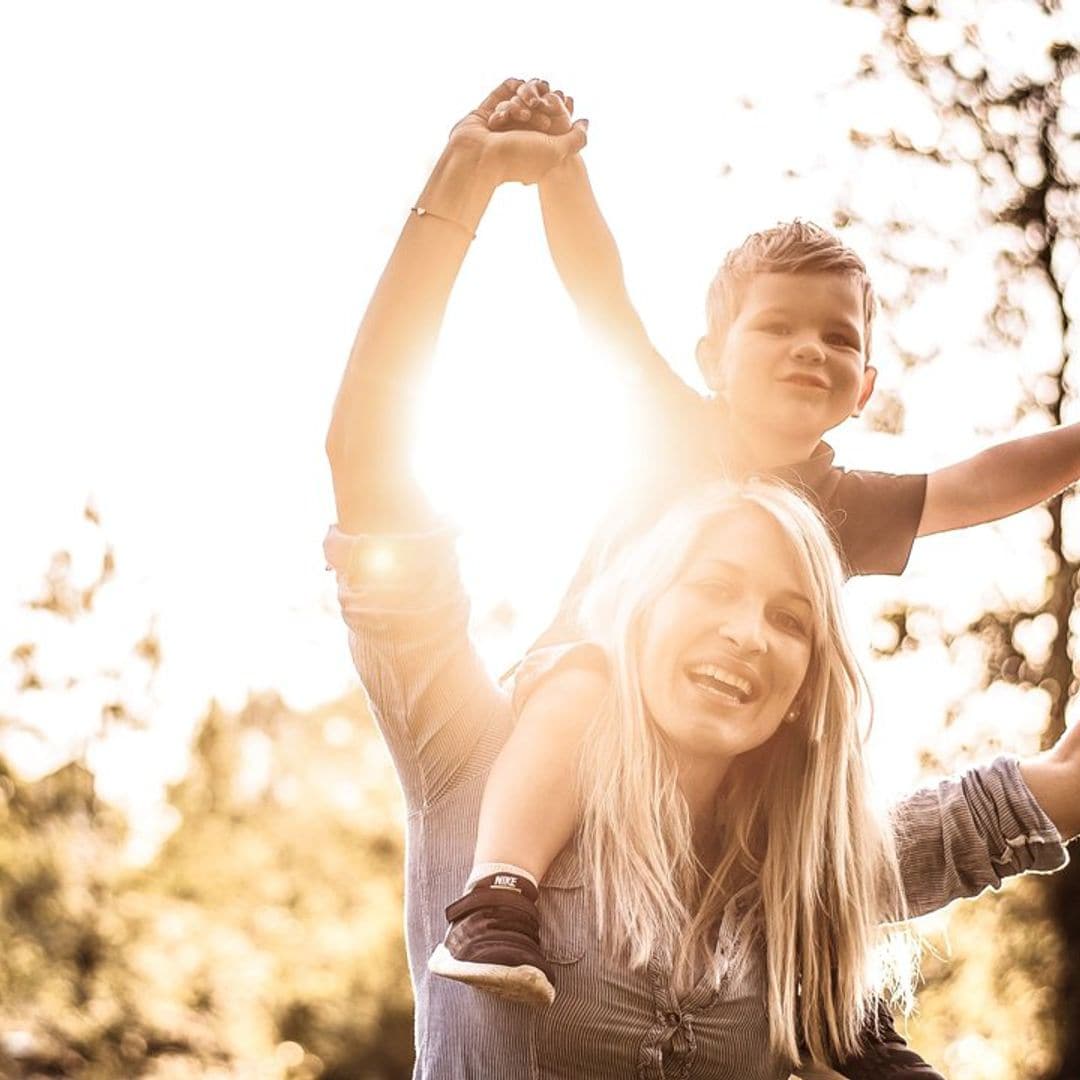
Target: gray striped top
(444, 720)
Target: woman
(727, 837)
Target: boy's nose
(808, 351)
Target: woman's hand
(1054, 779)
(519, 155)
(535, 107)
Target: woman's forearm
(369, 438)
(370, 433)
(1053, 777)
(967, 833)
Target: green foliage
(986, 91)
(263, 939)
(988, 1007)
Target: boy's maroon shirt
(873, 517)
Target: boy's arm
(582, 246)
(1002, 480)
(587, 260)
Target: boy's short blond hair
(792, 247)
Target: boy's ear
(709, 354)
(869, 378)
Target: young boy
(786, 356)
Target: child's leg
(529, 810)
(527, 816)
(885, 1055)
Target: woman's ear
(710, 359)
(798, 705)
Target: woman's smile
(727, 644)
(719, 680)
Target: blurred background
(200, 834)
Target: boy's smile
(793, 364)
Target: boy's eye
(776, 328)
(844, 341)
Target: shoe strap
(482, 896)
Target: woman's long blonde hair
(806, 861)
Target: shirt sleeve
(403, 601)
(967, 834)
(875, 517)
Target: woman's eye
(715, 587)
(790, 622)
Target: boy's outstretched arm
(1002, 480)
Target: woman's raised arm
(369, 436)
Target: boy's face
(794, 356)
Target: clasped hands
(522, 130)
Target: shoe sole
(524, 983)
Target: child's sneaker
(493, 942)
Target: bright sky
(198, 201)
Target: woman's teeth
(720, 681)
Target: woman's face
(727, 645)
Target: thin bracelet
(421, 212)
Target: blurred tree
(264, 937)
(998, 105)
(265, 934)
(278, 898)
(70, 999)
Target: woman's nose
(744, 626)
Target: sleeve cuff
(394, 571)
(1020, 836)
(357, 554)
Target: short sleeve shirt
(872, 517)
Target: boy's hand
(534, 106)
(522, 155)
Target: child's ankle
(490, 869)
